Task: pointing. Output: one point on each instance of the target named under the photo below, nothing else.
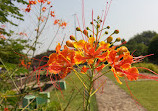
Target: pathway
(113, 98)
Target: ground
(113, 98)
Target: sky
(130, 17)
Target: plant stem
(90, 87)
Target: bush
(150, 66)
(14, 68)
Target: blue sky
(128, 16)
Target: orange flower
(27, 65)
(61, 62)
(100, 68)
(56, 21)
(88, 51)
(43, 9)
(32, 2)
(121, 65)
(52, 14)
(42, 1)
(42, 18)
(48, 2)
(84, 69)
(63, 24)
(28, 8)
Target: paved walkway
(113, 98)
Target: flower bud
(116, 31)
(85, 32)
(118, 39)
(98, 25)
(108, 27)
(69, 43)
(122, 49)
(36, 30)
(109, 39)
(87, 28)
(106, 32)
(72, 37)
(78, 29)
(98, 17)
(29, 63)
(48, 2)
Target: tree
(12, 49)
(138, 49)
(8, 9)
(143, 37)
(140, 42)
(153, 49)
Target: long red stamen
(142, 76)
(140, 58)
(83, 18)
(148, 70)
(133, 97)
(79, 26)
(105, 13)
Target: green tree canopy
(8, 9)
(140, 42)
(143, 37)
(12, 50)
(153, 49)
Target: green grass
(74, 89)
(145, 91)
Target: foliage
(14, 67)
(150, 66)
(137, 49)
(15, 50)
(9, 9)
(12, 49)
(143, 37)
(140, 42)
(153, 49)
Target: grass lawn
(74, 90)
(146, 91)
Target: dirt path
(113, 98)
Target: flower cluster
(95, 53)
(26, 65)
(60, 23)
(34, 2)
(44, 4)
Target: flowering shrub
(96, 54)
(90, 55)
